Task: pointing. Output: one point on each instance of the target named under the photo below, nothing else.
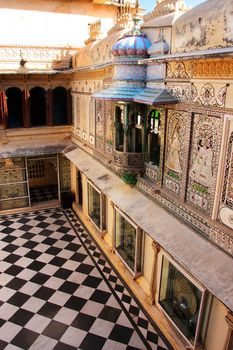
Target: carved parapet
(35, 57)
(95, 31)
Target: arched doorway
(38, 106)
(15, 108)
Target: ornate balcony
(128, 161)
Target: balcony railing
(129, 160)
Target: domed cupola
(133, 44)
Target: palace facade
(135, 131)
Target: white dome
(209, 25)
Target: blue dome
(131, 45)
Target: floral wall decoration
(209, 95)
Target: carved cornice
(215, 68)
(11, 53)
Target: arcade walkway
(57, 291)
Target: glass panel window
(154, 136)
(79, 188)
(181, 299)
(128, 242)
(96, 207)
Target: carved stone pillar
(229, 341)
(113, 228)
(153, 282)
(3, 108)
(26, 108)
(49, 107)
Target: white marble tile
(8, 331)
(33, 304)
(66, 315)
(38, 323)
(74, 336)
(102, 327)
(59, 298)
(43, 343)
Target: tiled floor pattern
(53, 295)
(42, 194)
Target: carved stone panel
(109, 113)
(100, 124)
(204, 156)
(92, 116)
(208, 94)
(179, 70)
(177, 148)
(180, 91)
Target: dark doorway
(43, 179)
(15, 108)
(59, 106)
(38, 106)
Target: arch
(60, 106)
(38, 106)
(15, 108)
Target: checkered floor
(57, 291)
(43, 194)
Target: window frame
(138, 254)
(150, 133)
(102, 228)
(203, 301)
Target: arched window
(38, 106)
(15, 108)
(59, 106)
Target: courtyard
(58, 291)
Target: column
(153, 282)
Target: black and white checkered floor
(43, 194)
(57, 291)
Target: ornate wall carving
(204, 161)
(213, 69)
(201, 68)
(179, 70)
(181, 91)
(100, 124)
(177, 149)
(209, 95)
(92, 117)
(78, 113)
(43, 57)
(109, 113)
(227, 196)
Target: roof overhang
(155, 97)
(212, 268)
(118, 93)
